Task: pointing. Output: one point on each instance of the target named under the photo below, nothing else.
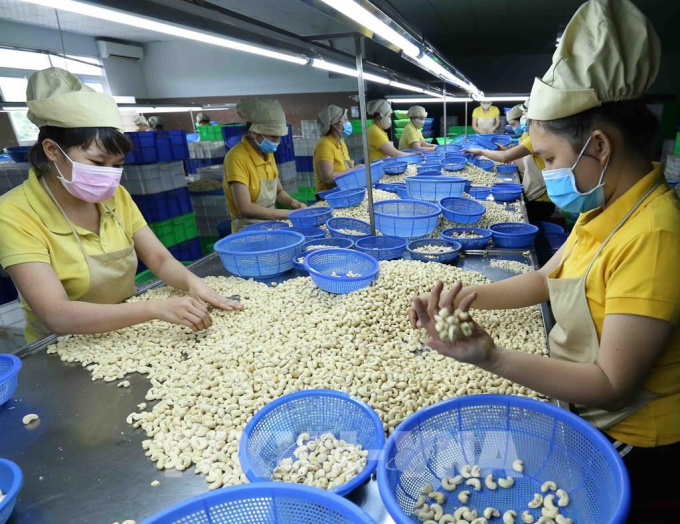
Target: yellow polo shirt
(479, 112)
(525, 141)
(377, 137)
(245, 165)
(410, 134)
(34, 230)
(328, 149)
(637, 274)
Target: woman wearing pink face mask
(71, 235)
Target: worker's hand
(185, 311)
(207, 295)
(476, 349)
(298, 205)
(475, 152)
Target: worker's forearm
(517, 292)
(496, 156)
(538, 373)
(330, 178)
(284, 199)
(173, 273)
(263, 213)
(74, 317)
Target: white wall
(125, 78)
(189, 69)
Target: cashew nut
(545, 520)
(506, 482)
(561, 519)
(447, 519)
(550, 513)
(30, 418)
(466, 471)
(480, 520)
(549, 502)
(509, 516)
(518, 465)
(489, 482)
(302, 437)
(451, 483)
(438, 511)
(528, 518)
(476, 471)
(427, 488)
(464, 496)
(491, 512)
(562, 498)
(458, 514)
(476, 483)
(548, 485)
(470, 515)
(422, 499)
(438, 496)
(124, 384)
(537, 502)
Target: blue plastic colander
(454, 163)
(462, 210)
(270, 225)
(346, 198)
(492, 431)
(450, 235)
(402, 191)
(356, 177)
(362, 228)
(257, 254)
(442, 258)
(382, 247)
(390, 188)
(324, 194)
(501, 140)
(482, 163)
(343, 243)
(450, 148)
(429, 171)
(434, 189)
(264, 502)
(11, 481)
(271, 434)
(310, 233)
(506, 168)
(323, 263)
(309, 217)
(513, 234)
(406, 218)
(479, 192)
(9, 377)
(395, 168)
(506, 192)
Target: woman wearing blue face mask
(70, 235)
(251, 178)
(614, 286)
(331, 157)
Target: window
(23, 60)
(24, 129)
(13, 89)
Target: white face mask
(386, 122)
(486, 106)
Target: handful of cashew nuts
(453, 326)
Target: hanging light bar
(419, 100)
(337, 68)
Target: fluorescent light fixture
(352, 10)
(514, 98)
(406, 87)
(148, 24)
(125, 99)
(337, 68)
(5, 108)
(147, 108)
(439, 100)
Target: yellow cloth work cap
(329, 116)
(55, 97)
(515, 113)
(382, 107)
(265, 115)
(417, 112)
(609, 52)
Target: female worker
(251, 178)
(379, 144)
(141, 123)
(412, 137)
(517, 120)
(614, 286)
(202, 119)
(71, 235)
(486, 118)
(331, 157)
(156, 123)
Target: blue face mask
(267, 146)
(561, 186)
(346, 129)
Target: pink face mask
(90, 183)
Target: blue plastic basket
(555, 239)
(342, 243)
(493, 431)
(484, 142)
(442, 258)
(309, 217)
(335, 224)
(322, 263)
(390, 188)
(310, 233)
(506, 192)
(270, 502)
(356, 177)
(406, 218)
(272, 432)
(347, 198)
(324, 194)
(18, 153)
(513, 234)
(410, 159)
(479, 192)
(434, 189)
(455, 158)
(9, 376)
(429, 171)
(462, 210)
(402, 192)
(258, 254)
(453, 165)
(482, 163)
(501, 140)
(11, 481)
(270, 225)
(395, 168)
(382, 247)
(551, 227)
(468, 243)
(506, 168)
(450, 149)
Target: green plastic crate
(210, 133)
(175, 230)
(208, 244)
(460, 130)
(440, 140)
(400, 124)
(401, 114)
(356, 125)
(146, 277)
(676, 151)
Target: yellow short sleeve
(324, 152)
(494, 111)
(643, 279)
(477, 112)
(235, 169)
(21, 240)
(411, 134)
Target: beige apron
(574, 337)
(486, 123)
(533, 182)
(112, 275)
(266, 198)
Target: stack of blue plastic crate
(154, 176)
(204, 154)
(285, 160)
